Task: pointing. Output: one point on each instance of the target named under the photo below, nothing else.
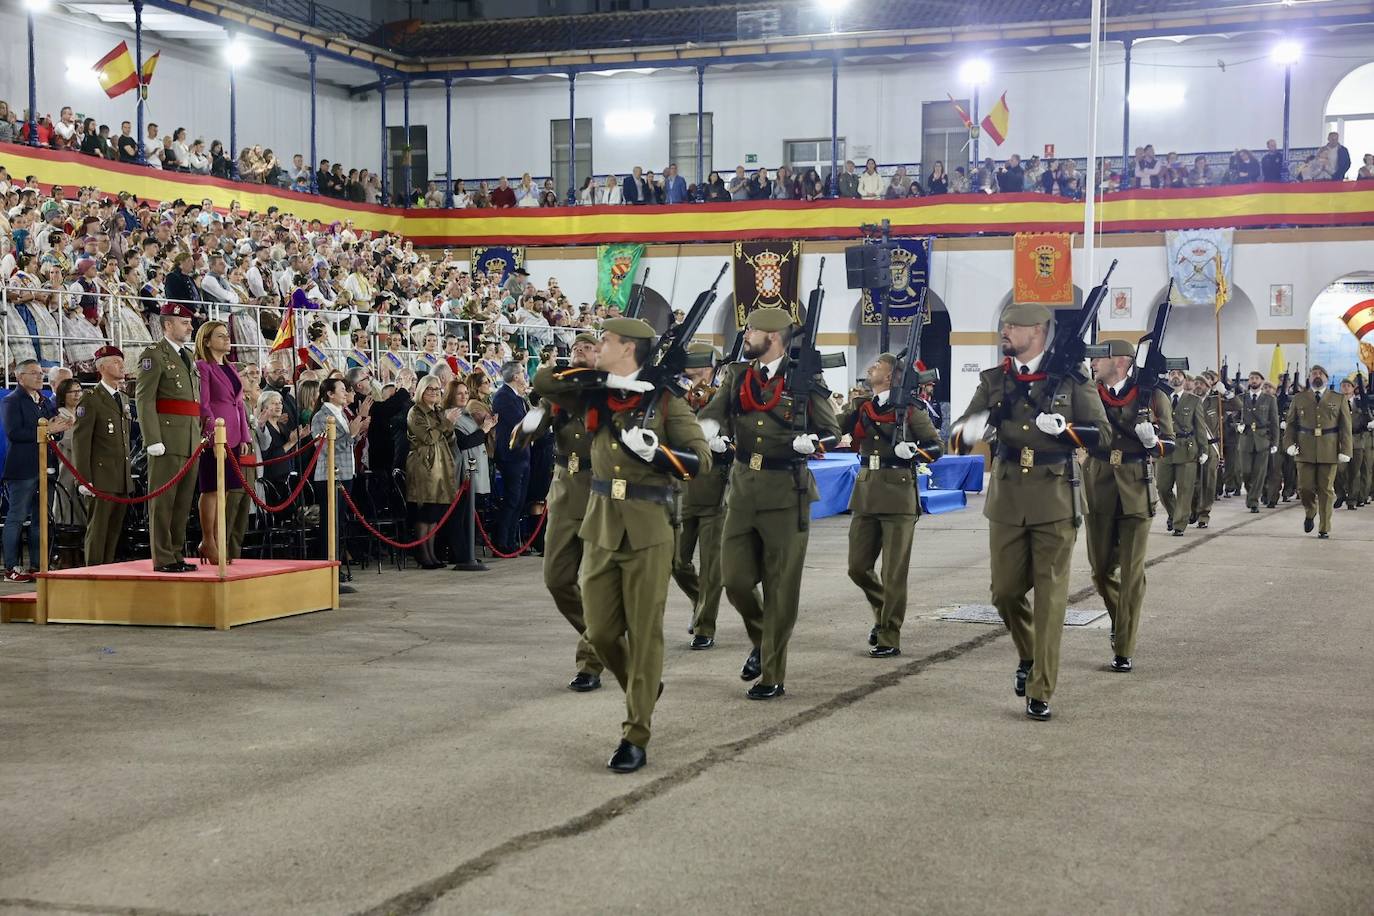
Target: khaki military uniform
(767, 514)
(168, 399)
(627, 538)
(1259, 415)
(100, 451)
(1232, 479)
(1178, 470)
(1119, 486)
(1032, 508)
(702, 522)
(1351, 487)
(885, 505)
(1320, 428)
(1205, 492)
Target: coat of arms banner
(766, 276)
(1042, 272)
(615, 273)
(910, 273)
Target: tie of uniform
(1023, 369)
(1175, 402)
(763, 374)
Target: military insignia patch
(146, 365)
(80, 411)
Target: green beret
(1026, 315)
(1119, 347)
(700, 346)
(633, 328)
(769, 319)
(586, 337)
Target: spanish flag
(149, 66)
(116, 71)
(1359, 318)
(995, 124)
(963, 115)
(286, 334)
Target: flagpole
(138, 69)
(1094, 91)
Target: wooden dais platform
(131, 593)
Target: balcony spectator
(871, 184)
(985, 178)
(434, 196)
(1175, 174)
(1366, 172)
(1147, 168)
(1271, 163)
(199, 161)
(848, 181)
(716, 192)
(896, 185)
(1201, 174)
(65, 130)
(220, 164)
(760, 188)
(549, 198)
(739, 185)
(1316, 167)
(674, 186)
(326, 181)
(503, 196)
(913, 188)
(783, 184)
(634, 190)
(1247, 167)
(1030, 181)
(586, 195)
(811, 187)
(9, 124)
(1011, 177)
(1049, 178)
(181, 153)
(272, 171)
(481, 198)
(87, 142)
(355, 186)
(461, 198)
(958, 181)
(653, 188)
(609, 192)
(1069, 179)
(526, 194)
(938, 182)
(1338, 156)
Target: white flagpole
(1090, 199)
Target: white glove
(709, 428)
(627, 384)
(905, 450)
(643, 442)
(1218, 388)
(1283, 424)
(718, 444)
(1145, 432)
(1240, 427)
(1202, 459)
(157, 450)
(1292, 451)
(1273, 449)
(1342, 459)
(84, 490)
(1371, 425)
(532, 420)
(973, 429)
(804, 445)
(1051, 424)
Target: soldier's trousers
(624, 593)
(1273, 479)
(1177, 503)
(104, 522)
(888, 536)
(562, 559)
(1205, 491)
(701, 588)
(169, 513)
(1290, 476)
(1033, 557)
(1254, 468)
(1316, 487)
(1116, 550)
(1350, 478)
(765, 547)
(1233, 475)
(1368, 473)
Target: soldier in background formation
(1318, 435)
(1178, 470)
(1257, 436)
(1352, 479)
(1205, 493)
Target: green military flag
(615, 272)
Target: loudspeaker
(868, 267)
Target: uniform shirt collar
(113, 392)
(1119, 387)
(772, 367)
(882, 397)
(1032, 365)
(176, 347)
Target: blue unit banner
(497, 261)
(910, 273)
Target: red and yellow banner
(1302, 204)
(1042, 270)
(1359, 318)
(115, 71)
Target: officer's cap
(1026, 315)
(633, 328)
(586, 338)
(769, 319)
(108, 350)
(698, 347)
(176, 310)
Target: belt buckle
(1116, 458)
(1317, 431)
(874, 462)
(1027, 457)
(618, 488)
(573, 464)
(756, 462)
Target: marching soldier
(168, 397)
(1119, 486)
(1257, 437)
(1178, 470)
(100, 451)
(885, 503)
(1350, 484)
(627, 533)
(1032, 503)
(1205, 493)
(1232, 479)
(771, 489)
(566, 507)
(702, 514)
(1318, 435)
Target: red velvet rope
(523, 547)
(353, 507)
(128, 500)
(295, 494)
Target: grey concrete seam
(44, 906)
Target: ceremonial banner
(1042, 272)
(998, 120)
(1200, 263)
(766, 277)
(499, 258)
(1359, 318)
(616, 266)
(115, 71)
(910, 273)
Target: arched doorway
(1350, 112)
(1192, 332)
(1329, 341)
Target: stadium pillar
(381, 91)
(572, 132)
(33, 87)
(405, 153)
(138, 65)
(835, 126)
(701, 140)
(233, 126)
(1126, 170)
(1287, 96)
(973, 170)
(314, 163)
(448, 141)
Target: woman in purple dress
(221, 398)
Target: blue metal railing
(320, 16)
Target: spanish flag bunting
(286, 334)
(996, 122)
(963, 115)
(116, 71)
(149, 66)
(1359, 318)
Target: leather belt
(622, 489)
(1322, 431)
(1038, 456)
(884, 463)
(180, 408)
(1125, 457)
(1186, 434)
(761, 463)
(564, 461)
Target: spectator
(634, 190)
(609, 192)
(871, 184)
(1201, 174)
(897, 185)
(347, 431)
(181, 286)
(760, 188)
(811, 187)
(1175, 173)
(1049, 179)
(1011, 177)
(783, 186)
(431, 477)
(20, 411)
(513, 462)
(849, 181)
(504, 195)
(198, 160)
(1366, 172)
(1070, 184)
(90, 140)
(586, 195)
(1272, 164)
(715, 188)
(9, 124)
(181, 153)
(1031, 180)
(434, 197)
(739, 185)
(275, 437)
(65, 130)
(470, 457)
(1148, 168)
(1336, 155)
(220, 165)
(653, 189)
(985, 179)
(674, 186)
(1247, 167)
(526, 194)
(938, 183)
(299, 174)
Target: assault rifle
(1282, 392)
(1067, 352)
(636, 304)
(666, 364)
(805, 363)
(1152, 366)
(906, 388)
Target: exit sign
(751, 158)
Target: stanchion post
(221, 596)
(40, 611)
(332, 521)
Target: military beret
(1255, 372)
(84, 265)
(1318, 367)
(1023, 315)
(769, 319)
(176, 310)
(1349, 380)
(701, 346)
(108, 350)
(1118, 347)
(889, 358)
(586, 337)
(633, 328)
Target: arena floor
(417, 751)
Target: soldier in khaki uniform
(1318, 435)
(100, 451)
(1178, 470)
(1350, 483)
(1205, 493)
(767, 514)
(885, 503)
(567, 506)
(1032, 505)
(1257, 436)
(627, 534)
(168, 397)
(1119, 486)
(702, 513)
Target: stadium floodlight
(37, 6)
(833, 6)
(1286, 53)
(975, 72)
(236, 52)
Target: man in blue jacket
(674, 186)
(20, 411)
(513, 461)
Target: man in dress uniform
(1205, 493)
(1257, 437)
(885, 503)
(1032, 505)
(1318, 435)
(1119, 486)
(627, 534)
(100, 451)
(771, 488)
(567, 506)
(168, 398)
(1178, 470)
(1232, 479)
(702, 512)
(1350, 484)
